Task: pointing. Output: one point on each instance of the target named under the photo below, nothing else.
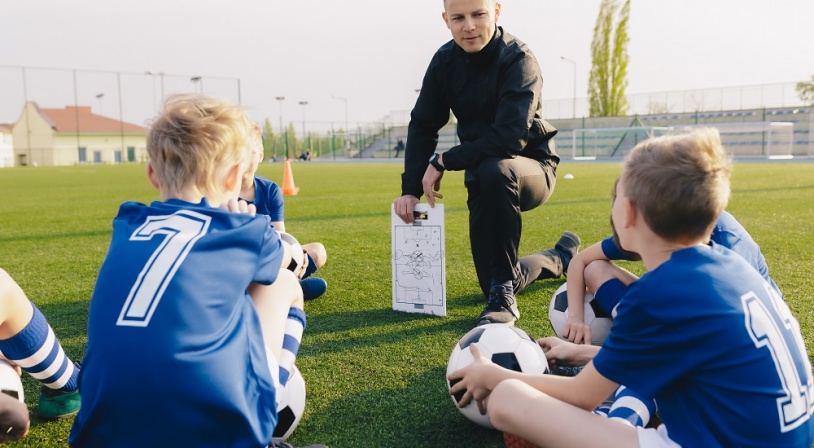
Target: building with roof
(75, 135)
(6, 146)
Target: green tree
(806, 91)
(269, 139)
(609, 59)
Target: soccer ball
(290, 405)
(506, 346)
(10, 383)
(297, 254)
(597, 318)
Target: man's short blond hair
(193, 138)
(680, 183)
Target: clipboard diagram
(419, 277)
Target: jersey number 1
(782, 337)
(180, 232)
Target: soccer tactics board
(419, 277)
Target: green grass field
(375, 377)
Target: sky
(358, 60)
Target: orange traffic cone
(288, 180)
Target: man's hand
(432, 182)
(404, 207)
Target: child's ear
(152, 177)
(234, 178)
(631, 213)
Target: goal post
(770, 139)
(593, 143)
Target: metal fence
(132, 97)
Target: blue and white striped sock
(37, 351)
(632, 408)
(294, 326)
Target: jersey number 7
(180, 231)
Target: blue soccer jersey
(715, 345)
(175, 353)
(268, 198)
(728, 232)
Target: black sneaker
(567, 247)
(501, 308)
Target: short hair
(193, 137)
(680, 183)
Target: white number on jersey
(180, 231)
(795, 407)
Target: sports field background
(374, 377)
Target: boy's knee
(502, 402)
(317, 252)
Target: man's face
(472, 22)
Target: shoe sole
(52, 418)
(487, 321)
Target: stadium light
(575, 83)
(280, 100)
(197, 80)
(303, 104)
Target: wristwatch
(434, 162)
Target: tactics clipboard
(419, 268)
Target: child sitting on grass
(702, 332)
(194, 323)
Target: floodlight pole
(280, 100)
(575, 83)
(304, 135)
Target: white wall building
(75, 135)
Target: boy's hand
(304, 266)
(476, 380)
(235, 205)
(577, 331)
(565, 353)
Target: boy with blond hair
(702, 332)
(267, 198)
(194, 323)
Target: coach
(491, 82)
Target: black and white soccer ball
(507, 346)
(290, 405)
(297, 254)
(598, 319)
(10, 383)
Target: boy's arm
(586, 390)
(575, 328)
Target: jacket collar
(488, 52)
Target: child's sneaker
(313, 287)
(56, 404)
